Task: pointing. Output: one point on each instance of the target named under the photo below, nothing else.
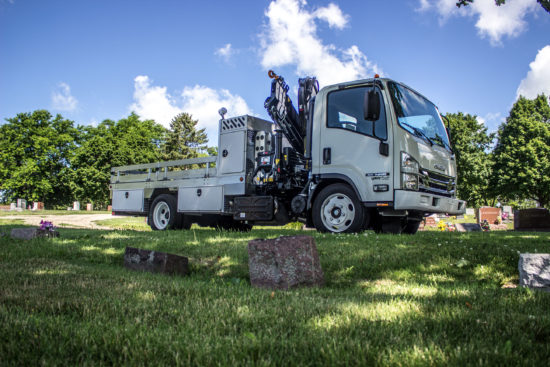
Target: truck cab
(397, 159)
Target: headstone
(489, 214)
(470, 211)
(109, 208)
(30, 233)
(535, 219)
(37, 205)
(431, 221)
(534, 270)
(22, 203)
(76, 205)
(155, 261)
(13, 206)
(468, 227)
(508, 210)
(284, 262)
(89, 207)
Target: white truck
(367, 154)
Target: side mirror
(371, 105)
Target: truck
(367, 154)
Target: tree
(471, 143)
(35, 149)
(522, 154)
(184, 140)
(110, 144)
(544, 3)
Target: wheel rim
(161, 215)
(337, 212)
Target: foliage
(544, 3)
(522, 154)
(35, 149)
(429, 299)
(111, 144)
(184, 140)
(471, 143)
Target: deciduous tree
(522, 154)
(35, 149)
(111, 144)
(471, 143)
(544, 3)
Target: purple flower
(46, 225)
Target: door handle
(326, 155)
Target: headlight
(408, 163)
(409, 181)
(410, 169)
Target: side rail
(163, 171)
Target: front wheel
(337, 209)
(411, 227)
(163, 213)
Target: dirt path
(75, 220)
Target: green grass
(5, 213)
(388, 300)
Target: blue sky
(93, 60)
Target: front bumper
(430, 203)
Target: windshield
(417, 115)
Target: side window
(345, 111)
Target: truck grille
(436, 183)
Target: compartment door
(128, 200)
(231, 152)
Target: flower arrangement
(485, 225)
(442, 226)
(46, 226)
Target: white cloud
(203, 103)
(290, 38)
(493, 22)
(154, 102)
(62, 99)
(537, 80)
(333, 15)
(480, 120)
(225, 52)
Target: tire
(411, 227)
(393, 225)
(337, 209)
(163, 213)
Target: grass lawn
(5, 213)
(429, 299)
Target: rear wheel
(337, 209)
(162, 214)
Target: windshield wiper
(418, 132)
(439, 139)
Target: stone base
(534, 270)
(284, 262)
(30, 233)
(468, 227)
(155, 262)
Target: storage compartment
(231, 152)
(128, 200)
(200, 199)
